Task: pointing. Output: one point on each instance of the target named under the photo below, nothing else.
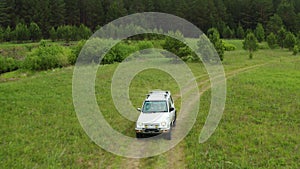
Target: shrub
(76, 51)
(145, 45)
(229, 47)
(47, 57)
(176, 47)
(119, 52)
(295, 50)
(8, 64)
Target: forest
(232, 18)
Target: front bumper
(151, 131)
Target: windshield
(155, 106)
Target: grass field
(259, 129)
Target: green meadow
(259, 129)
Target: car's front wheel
(169, 135)
(139, 135)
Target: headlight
(140, 124)
(163, 124)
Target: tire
(139, 135)
(169, 135)
(174, 122)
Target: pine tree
(286, 11)
(35, 32)
(22, 32)
(72, 12)
(57, 13)
(251, 44)
(281, 36)
(53, 34)
(260, 32)
(289, 41)
(240, 33)
(275, 24)
(272, 41)
(42, 17)
(214, 37)
(4, 18)
(115, 10)
(94, 14)
(7, 36)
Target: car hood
(154, 117)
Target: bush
(289, 41)
(119, 52)
(47, 57)
(229, 47)
(142, 45)
(76, 51)
(176, 47)
(295, 50)
(8, 64)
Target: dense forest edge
(66, 25)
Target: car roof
(158, 95)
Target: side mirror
(172, 109)
(139, 109)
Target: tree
(94, 14)
(286, 11)
(175, 46)
(260, 32)
(84, 32)
(57, 12)
(7, 35)
(115, 10)
(214, 37)
(1, 34)
(35, 32)
(72, 14)
(4, 15)
(289, 41)
(281, 36)
(240, 33)
(227, 33)
(22, 32)
(53, 34)
(275, 24)
(251, 44)
(272, 41)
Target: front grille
(152, 130)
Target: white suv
(158, 115)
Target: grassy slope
(39, 128)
